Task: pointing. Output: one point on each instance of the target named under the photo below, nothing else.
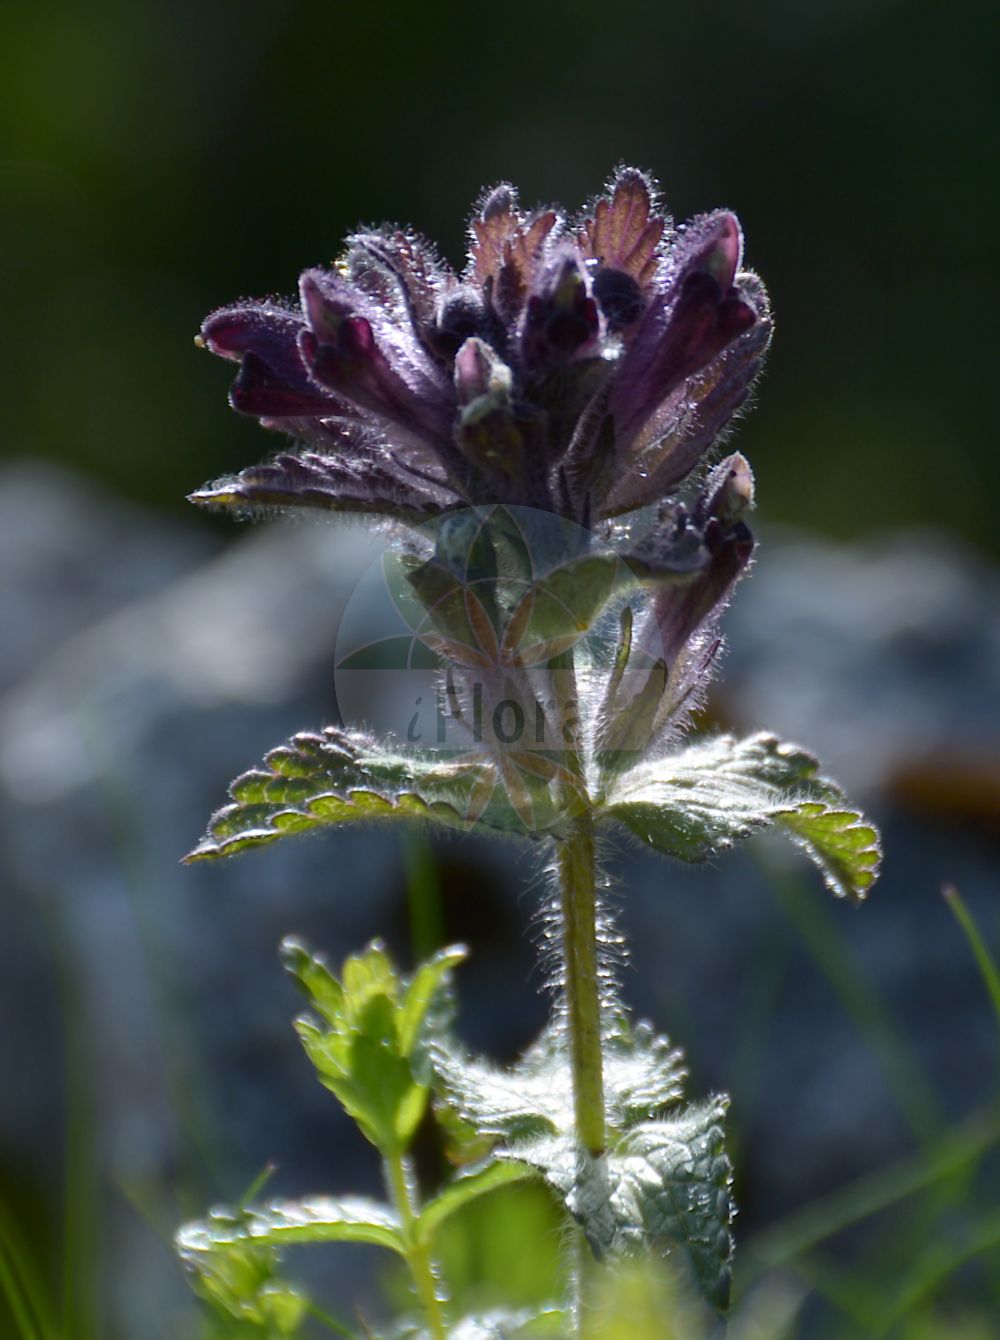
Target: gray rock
(877, 655)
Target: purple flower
(583, 367)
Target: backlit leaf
(662, 1184)
(329, 778)
(693, 803)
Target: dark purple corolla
(583, 367)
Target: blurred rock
(879, 656)
(141, 674)
(71, 555)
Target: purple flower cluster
(583, 366)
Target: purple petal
(711, 242)
(695, 316)
(479, 372)
(400, 271)
(680, 630)
(264, 329)
(561, 320)
(463, 316)
(273, 381)
(620, 298)
(260, 391)
(349, 350)
(681, 612)
(691, 421)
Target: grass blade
(869, 1195)
(984, 959)
(10, 1292)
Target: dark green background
(160, 160)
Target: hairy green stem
(418, 1255)
(578, 900)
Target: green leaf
(844, 846)
(426, 984)
(369, 976)
(550, 1324)
(314, 978)
(547, 1323)
(331, 778)
(485, 616)
(489, 1103)
(512, 587)
(665, 1179)
(284, 1223)
(643, 1299)
(463, 616)
(662, 1184)
(694, 803)
(233, 1256)
(374, 1085)
(643, 1076)
(370, 1043)
(560, 607)
(468, 1186)
(628, 726)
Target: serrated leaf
(329, 778)
(311, 971)
(370, 1049)
(239, 1279)
(662, 1184)
(370, 975)
(842, 844)
(373, 1085)
(664, 1180)
(233, 1256)
(643, 1076)
(467, 1186)
(693, 803)
(284, 1223)
(425, 984)
(532, 1098)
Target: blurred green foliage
(161, 159)
(505, 1250)
(907, 1252)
